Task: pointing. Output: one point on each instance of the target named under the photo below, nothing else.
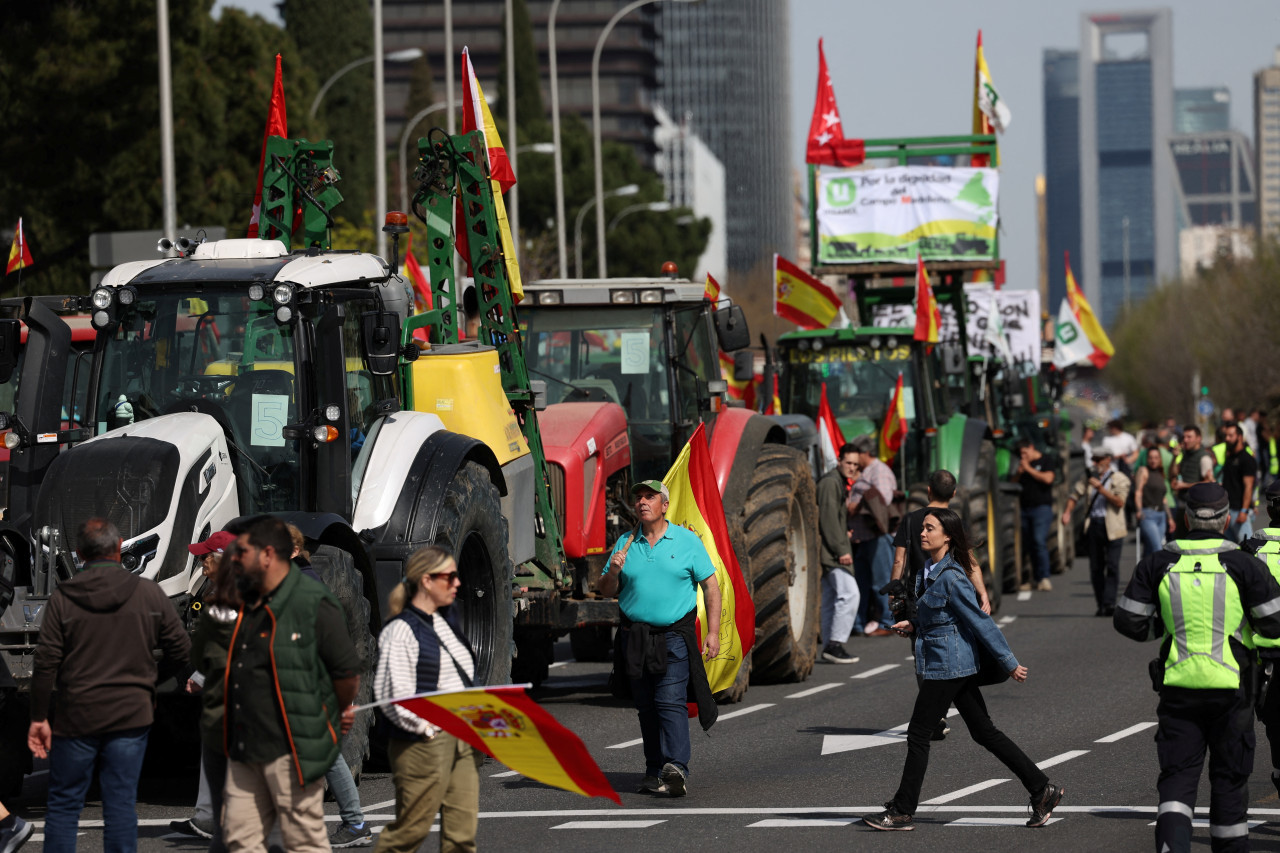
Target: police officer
(1265, 545)
(1207, 598)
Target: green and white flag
(1070, 344)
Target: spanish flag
(928, 314)
(990, 112)
(476, 116)
(413, 272)
(895, 425)
(775, 402)
(801, 298)
(505, 724)
(830, 436)
(19, 252)
(1102, 348)
(277, 125)
(696, 506)
(712, 290)
(745, 390)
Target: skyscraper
(1129, 238)
(1266, 136)
(725, 72)
(1061, 168)
(1202, 110)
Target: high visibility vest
(1220, 455)
(1269, 553)
(1200, 607)
(1273, 461)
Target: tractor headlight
(256, 292)
(102, 298)
(282, 294)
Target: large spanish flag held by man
(830, 436)
(895, 425)
(928, 314)
(801, 298)
(1102, 348)
(476, 116)
(696, 506)
(505, 724)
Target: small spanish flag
(712, 291)
(775, 402)
(1102, 348)
(830, 436)
(928, 314)
(801, 298)
(20, 252)
(745, 390)
(895, 425)
(413, 272)
(696, 506)
(505, 724)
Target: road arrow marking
(783, 823)
(832, 744)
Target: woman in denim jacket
(950, 628)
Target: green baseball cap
(653, 486)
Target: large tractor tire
(338, 571)
(975, 502)
(1009, 534)
(780, 533)
(471, 527)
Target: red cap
(215, 544)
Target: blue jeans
(1036, 522)
(872, 568)
(1153, 525)
(343, 788)
(71, 762)
(664, 716)
(1238, 532)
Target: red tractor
(630, 368)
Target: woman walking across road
(1154, 516)
(421, 650)
(952, 634)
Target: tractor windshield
(218, 353)
(859, 380)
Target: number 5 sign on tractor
(270, 412)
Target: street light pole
(1124, 224)
(406, 55)
(628, 189)
(651, 206)
(404, 154)
(595, 122)
(448, 66)
(379, 134)
(166, 123)
(561, 236)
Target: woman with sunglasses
(422, 649)
(950, 629)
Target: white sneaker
(1044, 585)
(871, 627)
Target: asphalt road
(796, 765)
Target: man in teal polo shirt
(655, 571)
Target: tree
(330, 34)
(79, 131)
(528, 83)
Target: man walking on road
(868, 502)
(1194, 465)
(1035, 475)
(96, 647)
(839, 590)
(292, 673)
(1105, 529)
(908, 555)
(1239, 474)
(655, 571)
(1204, 595)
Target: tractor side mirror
(744, 366)
(380, 341)
(953, 358)
(731, 328)
(10, 335)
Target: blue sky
(907, 70)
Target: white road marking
(743, 711)
(964, 792)
(910, 657)
(876, 671)
(1123, 733)
(561, 663)
(789, 822)
(832, 744)
(996, 821)
(609, 824)
(373, 807)
(626, 743)
(1024, 595)
(501, 775)
(813, 690)
(1005, 620)
(1203, 823)
(1058, 759)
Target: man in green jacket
(292, 673)
(840, 595)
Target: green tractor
(860, 367)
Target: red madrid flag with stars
(827, 145)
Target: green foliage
(528, 87)
(80, 134)
(1221, 322)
